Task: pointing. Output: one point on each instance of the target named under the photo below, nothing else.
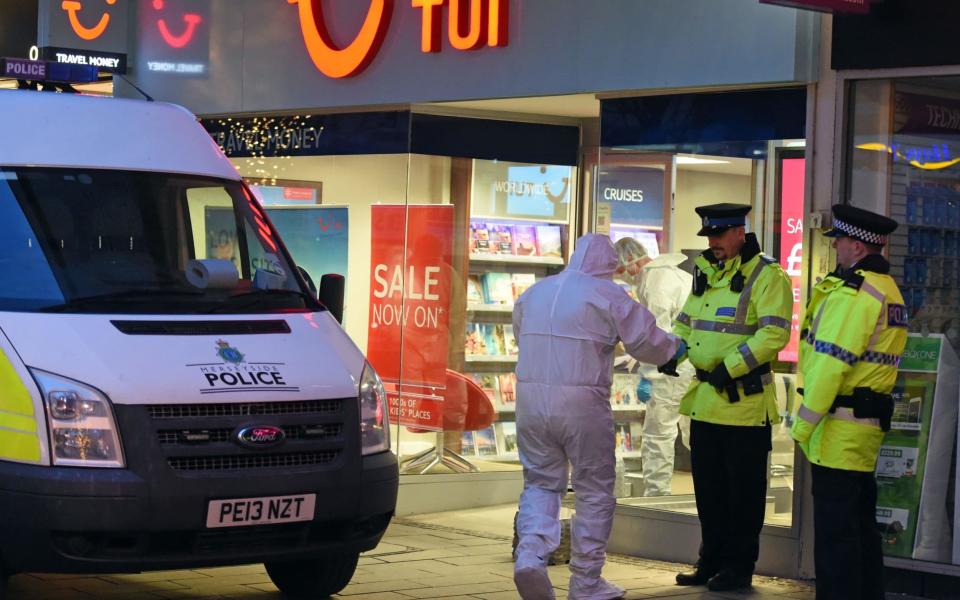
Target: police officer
(851, 340)
(735, 321)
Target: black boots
(727, 580)
(716, 581)
(699, 576)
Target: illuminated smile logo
(180, 40)
(352, 59)
(72, 7)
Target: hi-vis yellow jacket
(743, 330)
(853, 334)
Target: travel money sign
(471, 25)
(84, 33)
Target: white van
(173, 393)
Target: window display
(518, 234)
(913, 471)
(901, 162)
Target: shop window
(661, 158)
(902, 155)
(519, 233)
(435, 245)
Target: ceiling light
(693, 160)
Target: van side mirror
(331, 294)
(309, 281)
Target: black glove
(669, 368)
(719, 378)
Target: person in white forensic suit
(661, 286)
(567, 327)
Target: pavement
(416, 559)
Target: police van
(172, 392)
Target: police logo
(228, 353)
(897, 315)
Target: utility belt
(752, 382)
(867, 404)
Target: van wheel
(313, 578)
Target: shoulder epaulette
(852, 280)
(767, 259)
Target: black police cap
(717, 218)
(860, 224)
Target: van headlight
(83, 432)
(374, 424)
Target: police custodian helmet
(861, 225)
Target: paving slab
(414, 561)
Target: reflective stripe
(15, 430)
(836, 351)
(846, 414)
(866, 287)
(878, 328)
(870, 356)
(808, 415)
(20, 446)
(684, 318)
(812, 334)
(744, 304)
(748, 357)
(720, 327)
(18, 425)
(775, 321)
(880, 358)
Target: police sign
(17, 68)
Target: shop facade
(889, 96)
(450, 154)
(440, 207)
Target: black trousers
(847, 546)
(730, 482)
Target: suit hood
(594, 256)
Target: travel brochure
(501, 388)
(499, 438)
(628, 435)
(515, 239)
(501, 289)
(623, 392)
(490, 339)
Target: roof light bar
(45, 70)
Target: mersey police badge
(228, 353)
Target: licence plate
(239, 512)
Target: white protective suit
(567, 327)
(663, 289)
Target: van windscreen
(106, 241)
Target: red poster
(791, 241)
(410, 279)
(837, 6)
